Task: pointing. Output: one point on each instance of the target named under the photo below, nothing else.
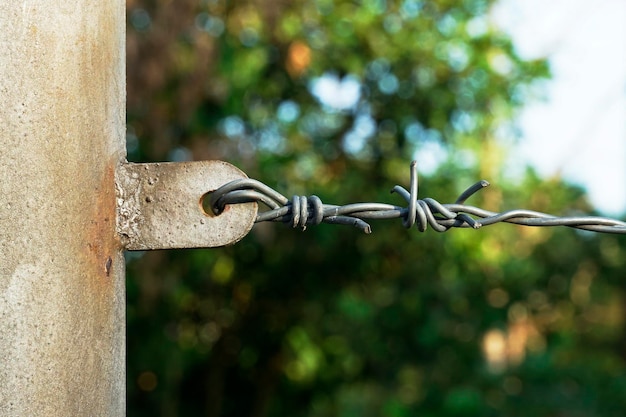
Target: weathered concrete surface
(160, 206)
(62, 301)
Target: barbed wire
(301, 211)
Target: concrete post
(62, 121)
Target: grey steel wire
(300, 212)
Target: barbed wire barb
(301, 211)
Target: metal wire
(300, 212)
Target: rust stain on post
(101, 240)
(62, 121)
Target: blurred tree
(335, 98)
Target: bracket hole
(205, 204)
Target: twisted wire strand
(300, 211)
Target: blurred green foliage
(335, 98)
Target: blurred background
(335, 98)
(578, 131)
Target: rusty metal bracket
(161, 206)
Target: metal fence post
(62, 123)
